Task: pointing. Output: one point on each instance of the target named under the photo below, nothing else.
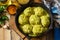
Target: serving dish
(21, 9)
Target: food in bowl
(37, 29)
(39, 11)
(27, 28)
(28, 11)
(45, 21)
(34, 21)
(23, 19)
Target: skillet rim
(33, 5)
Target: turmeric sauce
(11, 9)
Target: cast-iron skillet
(21, 9)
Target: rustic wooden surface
(48, 36)
(15, 34)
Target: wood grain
(5, 34)
(1, 34)
(14, 35)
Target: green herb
(2, 19)
(3, 7)
(1, 22)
